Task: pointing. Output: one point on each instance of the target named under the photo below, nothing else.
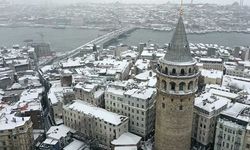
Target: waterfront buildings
(177, 79)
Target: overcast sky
(137, 1)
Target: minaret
(177, 77)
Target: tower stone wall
(177, 80)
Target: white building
(231, 129)
(94, 122)
(89, 92)
(207, 108)
(212, 76)
(238, 69)
(137, 104)
(212, 63)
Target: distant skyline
(246, 2)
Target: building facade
(95, 122)
(177, 77)
(137, 104)
(231, 129)
(15, 133)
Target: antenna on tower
(181, 8)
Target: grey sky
(136, 1)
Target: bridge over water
(102, 41)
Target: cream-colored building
(15, 132)
(90, 93)
(137, 104)
(207, 108)
(177, 82)
(212, 63)
(212, 76)
(95, 122)
(231, 129)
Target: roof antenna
(181, 8)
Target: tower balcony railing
(177, 92)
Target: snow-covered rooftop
(96, 112)
(127, 139)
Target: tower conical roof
(178, 49)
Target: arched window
(166, 70)
(164, 85)
(190, 85)
(180, 107)
(172, 86)
(182, 86)
(189, 70)
(182, 72)
(174, 71)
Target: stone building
(207, 108)
(15, 132)
(137, 104)
(177, 77)
(232, 130)
(94, 122)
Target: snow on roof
(239, 111)
(145, 75)
(218, 60)
(238, 82)
(50, 142)
(88, 87)
(217, 87)
(75, 145)
(10, 121)
(129, 53)
(210, 103)
(127, 139)
(97, 112)
(115, 91)
(229, 95)
(57, 132)
(141, 93)
(126, 148)
(142, 64)
(212, 73)
(31, 95)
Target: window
(166, 70)
(163, 105)
(190, 70)
(181, 107)
(174, 71)
(182, 72)
(172, 85)
(182, 86)
(164, 85)
(190, 85)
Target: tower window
(182, 72)
(190, 70)
(190, 85)
(164, 84)
(163, 105)
(172, 100)
(182, 86)
(181, 107)
(172, 85)
(174, 71)
(166, 70)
